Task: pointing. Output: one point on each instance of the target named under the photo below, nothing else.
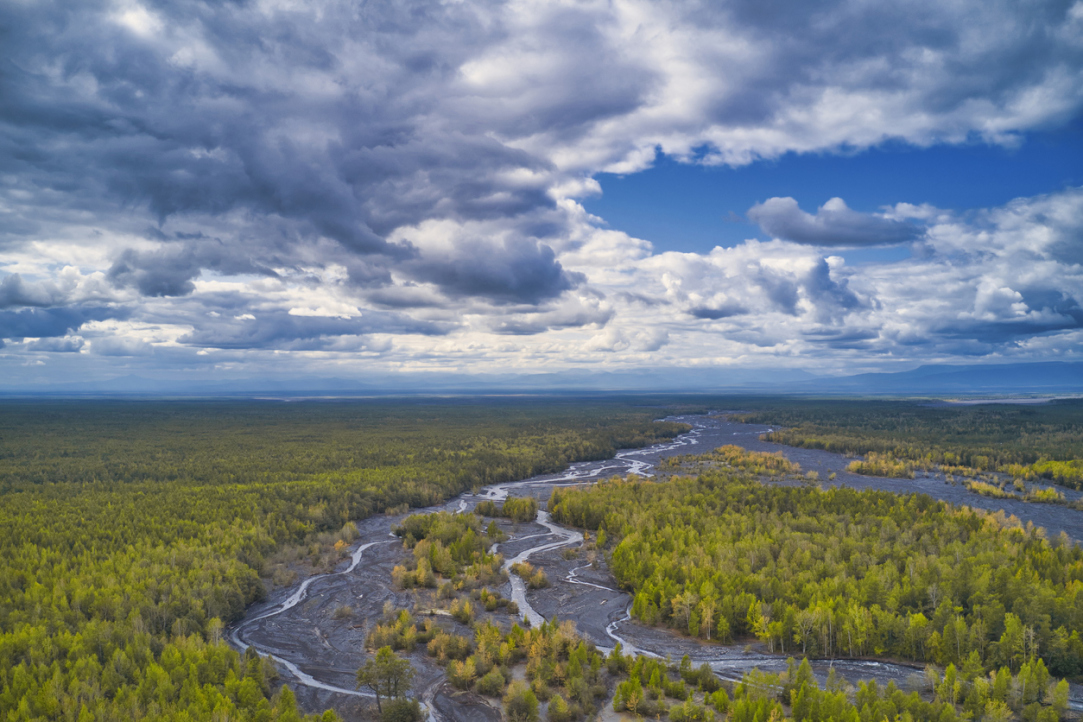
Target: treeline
(875, 464)
(957, 695)
(521, 508)
(1041, 441)
(757, 463)
(129, 529)
(687, 694)
(838, 572)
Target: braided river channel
(318, 650)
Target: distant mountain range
(1045, 377)
(975, 379)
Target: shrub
(520, 508)
(520, 704)
(689, 711)
(445, 646)
(541, 689)
(558, 710)
(462, 610)
(461, 673)
(720, 700)
(401, 710)
(492, 684)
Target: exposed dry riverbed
(318, 644)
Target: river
(316, 630)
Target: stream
(316, 629)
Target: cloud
(279, 329)
(569, 312)
(410, 171)
(834, 224)
(167, 273)
(724, 310)
(121, 346)
(345, 124)
(67, 344)
(51, 322)
(14, 292)
(500, 265)
(66, 286)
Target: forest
(132, 532)
(571, 679)
(1033, 441)
(837, 572)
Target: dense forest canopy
(838, 573)
(1035, 441)
(132, 531)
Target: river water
(316, 629)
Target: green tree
(386, 675)
(520, 703)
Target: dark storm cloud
(170, 270)
(1057, 303)
(715, 313)
(14, 292)
(351, 121)
(350, 165)
(49, 322)
(516, 270)
(1004, 330)
(156, 274)
(826, 291)
(833, 225)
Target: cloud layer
(396, 184)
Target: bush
(492, 684)
(461, 673)
(558, 710)
(540, 689)
(708, 682)
(720, 701)
(445, 646)
(462, 610)
(616, 662)
(520, 704)
(520, 508)
(401, 710)
(491, 600)
(690, 712)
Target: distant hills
(1054, 377)
(1045, 377)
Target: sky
(283, 189)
